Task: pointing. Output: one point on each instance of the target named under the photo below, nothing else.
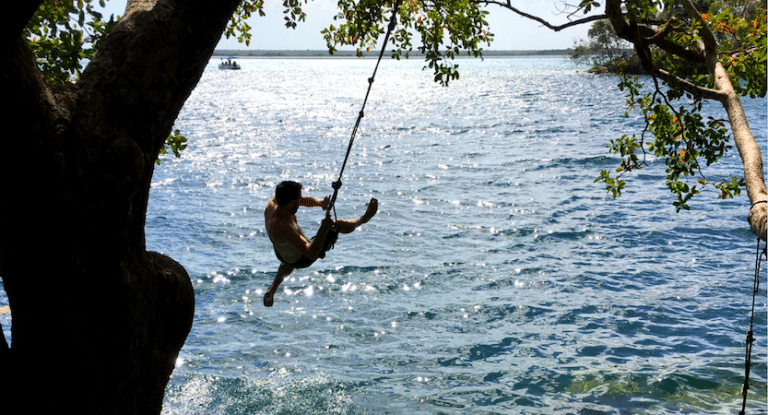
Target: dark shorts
(304, 262)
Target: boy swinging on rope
(291, 245)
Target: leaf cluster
(65, 33)
(672, 111)
(681, 136)
(238, 24)
(175, 142)
(239, 27)
(441, 29)
(743, 49)
(587, 5)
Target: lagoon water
(497, 278)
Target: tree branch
(556, 28)
(154, 58)
(25, 92)
(652, 36)
(15, 17)
(710, 43)
(643, 36)
(619, 23)
(735, 54)
(690, 87)
(745, 141)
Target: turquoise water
(497, 278)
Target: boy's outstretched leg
(282, 272)
(349, 225)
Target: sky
(511, 32)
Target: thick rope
(750, 333)
(337, 184)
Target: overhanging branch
(658, 37)
(507, 5)
(690, 87)
(710, 43)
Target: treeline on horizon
(244, 53)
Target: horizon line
(351, 53)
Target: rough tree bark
(97, 320)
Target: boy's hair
(286, 192)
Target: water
(497, 278)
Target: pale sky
(511, 31)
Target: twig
(556, 28)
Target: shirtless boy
(292, 247)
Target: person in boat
(291, 245)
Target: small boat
(228, 63)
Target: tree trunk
(748, 148)
(97, 320)
(745, 141)
(751, 157)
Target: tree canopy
(680, 43)
(718, 53)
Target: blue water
(497, 278)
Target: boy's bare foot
(373, 207)
(269, 299)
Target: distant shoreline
(243, 53)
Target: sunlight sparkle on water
(348, 287)
(220, 279)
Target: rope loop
(336, 185)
